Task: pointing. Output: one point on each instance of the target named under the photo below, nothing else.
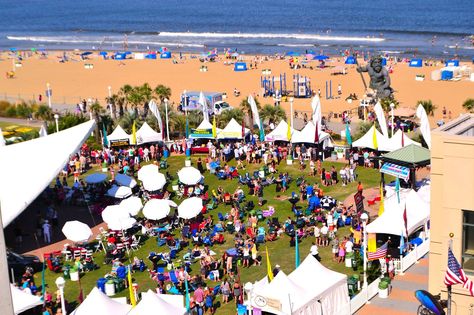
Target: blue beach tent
(120, 56)
(165, 55)
(293, 54)
(150, 56)
(240, 66)
(452, 63)
(350, 60)
(320, 57)
(417, 63)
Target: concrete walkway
(23, 122)
(401, 300)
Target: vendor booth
(307, 135)
(367, 140)
(233, 130)
(280, 133)
(203, 131)
(147, 135)
(118, 137)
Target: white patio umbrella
(119, 192)
(147, 169)
(125, 180)
(189, 175)
(114, 212)
(96, 178)
(121, 224)
(77, 231)
(152, 182)
(172, 204)
(133, 205)
(156, 209)
(190, 208)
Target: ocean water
(435, 28)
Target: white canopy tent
(156, 209)
(125, 180)
(174, 299)
(306, 135)
(146, 135)
(16, 165)
(118, 135)
(323, 285)
(152, 304)
(23, 301)
(133, 205)
(391, 221)
(233, 130)
(280, 133)
(202, 131)
(119, 192)
(396, 142)
(99, 303)
(367, 140)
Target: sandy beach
(71, 81)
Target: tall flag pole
(374, 139)
(130, 287)
(382, 205)
(262, 132)
(214, 128)
(288, 132)
(297, 252)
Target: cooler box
(446, 75)
(101, 284)
(452, 63)
(436, 75)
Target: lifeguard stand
(301, 86)
(271, 84)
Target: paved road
(23, 122)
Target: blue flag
(187, 294)
(262, 133)
(297, 251)
(397, 188)
(104, 135)
(348, 135)
(402, 244)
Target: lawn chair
(216, 290)
(211, 205)
(221, 217)
(218, 228)
(136, 244)
(173, 277)
(260, 239)
(160, 241)
(185, 231)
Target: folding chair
(221, 217)
(173, 278)
(136, 244)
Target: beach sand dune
(72, 82)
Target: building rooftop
(461, 126)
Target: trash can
(66, 274)
(166, 154)
(354, 263)
(352, 285)
(74, 275)
(348, 261)
(110, 288)
(187, 162)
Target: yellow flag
(134, 134)
(381, 207)
(372, 243)
(374, 138)
(214, 129)
(288, 133)
(269, 267)
(130, 287)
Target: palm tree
(468, 105)
(124, 92)
(96, 110)
(126, 122)
(223, 119)
(272, 113)
(44, 113)
(428, 106)
(245, 107)
(161, 92)
(385, 103)
(195, 118)
(136, 98)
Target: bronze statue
(379, 78)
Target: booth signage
(359, 201)
(201, 131)
(119, 142)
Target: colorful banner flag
(269, 267)
(424, 125)
(381, 252)
(104, 135)
(397, 188)
(262, 132)
(288, 132)
(188, 302)
(214, 128)
(371, 242)
(134, 134)
(374, 139)
(381, 118)
(205, 109)
(316, 134)
(455, 274)
(154, 109)
(402, 243)
(381, 206)
(348, 135)
(297, 252)
(254, 109)
(405, 219)
(130, 287)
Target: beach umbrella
(156, 209)
(152, 182)
(96, 178)
(103, 53)
(119, 192)
(293, 54)
(77, 231)
(125, 180)
(121, 224)
(328, 202)
(172, 204)
(114, 212)
(190, 208)
(132, 204)
(320, 57)
(189, 175)
(147, 169)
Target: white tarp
(25, 178)
(23, 301)
(391, 221)
(99, 303)
(321, 284)
(152, 304)
(280, 133)
(306, 135)
(118, 134)
(367, 140)
(233, 130)
(146, 135)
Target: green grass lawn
(280, 252)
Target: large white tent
(323, 285)
(146, 135)
(204, 131)
(233, 130)
(367, 140)
(398, 141)
(16, 165)
(280, 133)
(391, 221)
(152, 304)
(23, 301)
(99, 303)
(306, 135)
(118, 135)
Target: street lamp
(185, 103)
(392, 106)
(291, 111)
(248, 287)
(167, 122)
(56, 117)
(61, 283)
(365, 218)
(110, 101)
(48, 94)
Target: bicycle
(430, 304)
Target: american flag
(455, 274)
(381, 252)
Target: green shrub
(4, 105)
(24, 111)
(11, 111)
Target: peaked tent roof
(233, 130)
(306, 135)
(204, 125)
(280, 133)
(395, 142)
(23, 301)
(99, 303)
(411, 155)
(152, 303)
(367, 140)
(118, 134)
(146, 134)
(16, 193)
